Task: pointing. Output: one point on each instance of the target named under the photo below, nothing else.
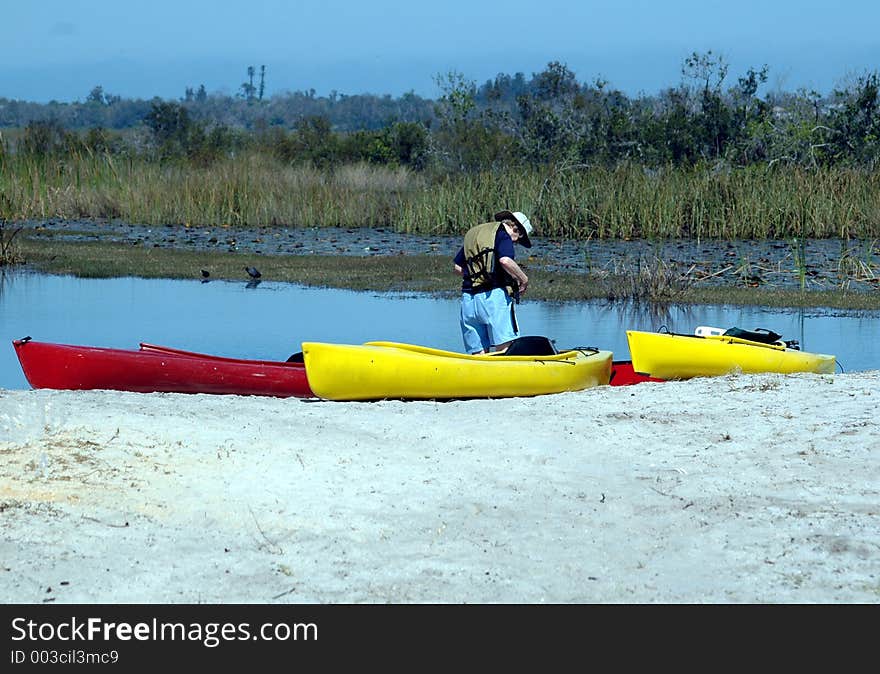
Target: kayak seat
(531, 345)
(297, 358)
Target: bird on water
(253, 272)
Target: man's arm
(512, 268)
(458, 262)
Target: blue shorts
(486, 320)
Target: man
(492, 281)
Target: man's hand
(516, 272)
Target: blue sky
(60, 49)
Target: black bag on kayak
(762, 335)
(531, 345)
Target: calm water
(271, 320)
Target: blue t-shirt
(504, 247)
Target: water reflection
(270, 320)
(628, 313)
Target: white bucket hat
(522, 220)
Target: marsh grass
(245, 191)
(861, 254)
(651, 279)
(9, 250)
(799, 256)
(856, 263)
(579, 203)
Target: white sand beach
(762, 488)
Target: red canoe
(154, 369)
(623, 374)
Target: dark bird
(205, 273)
(253, 272)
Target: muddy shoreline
(769, 263)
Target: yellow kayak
(380, 370)
(674, 356)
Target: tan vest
(479, 255)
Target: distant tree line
(246, 111)
(550, 119)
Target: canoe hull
(623, 374)
(156, 369)
(390, 370)
(672, 356)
